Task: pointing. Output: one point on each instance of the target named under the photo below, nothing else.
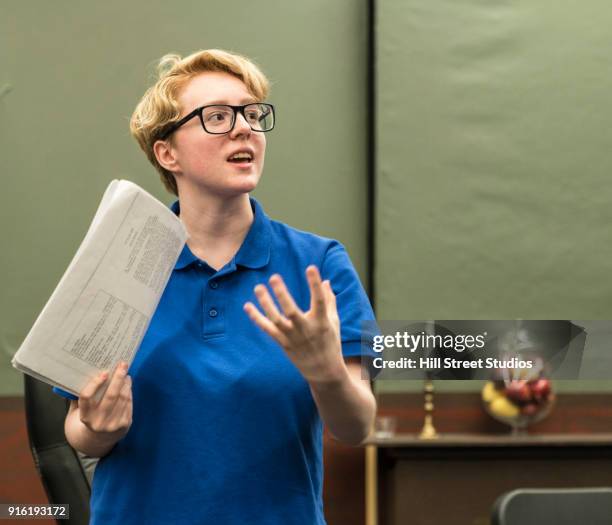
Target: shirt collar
(255, 249)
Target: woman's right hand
(112, 414)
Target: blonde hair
(159, 107)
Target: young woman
(255, 343)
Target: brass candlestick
(428, 431)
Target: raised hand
(310, 339)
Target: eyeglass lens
(220, 119)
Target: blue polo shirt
(225, 430)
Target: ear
(166, 156)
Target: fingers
(330, 295)
(290, 309)
(122, 411)
(126, 417)
(114, 411)
(265, 324)
(317, 294)
(94, 385)
(291, 317)
(125, 395)
(269, 307)
(91, 389)
(266, 302)
(114, 388)
(129, 404)
(89, 393)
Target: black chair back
(58, 464)
(568, 506)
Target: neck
(216, 226)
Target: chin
(244, 184)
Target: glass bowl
(518, 402)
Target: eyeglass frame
(236, 109)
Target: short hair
(159, 107)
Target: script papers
(102, 306)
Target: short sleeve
(352, 301)
(65, 394)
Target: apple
(518, 391)
(541, 388)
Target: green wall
(492, 130)
(74, 72)
(494, 161)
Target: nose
(241, 126)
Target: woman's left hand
(310, 339)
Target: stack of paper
(103, 304)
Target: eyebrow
(224, 102)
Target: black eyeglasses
(218, 119)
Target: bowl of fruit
(518, 402)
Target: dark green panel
(494, 159)
(76, 71)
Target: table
(456, 478)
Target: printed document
(102, 306)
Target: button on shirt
(225, 430)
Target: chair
(562, 506)
(63, 476)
